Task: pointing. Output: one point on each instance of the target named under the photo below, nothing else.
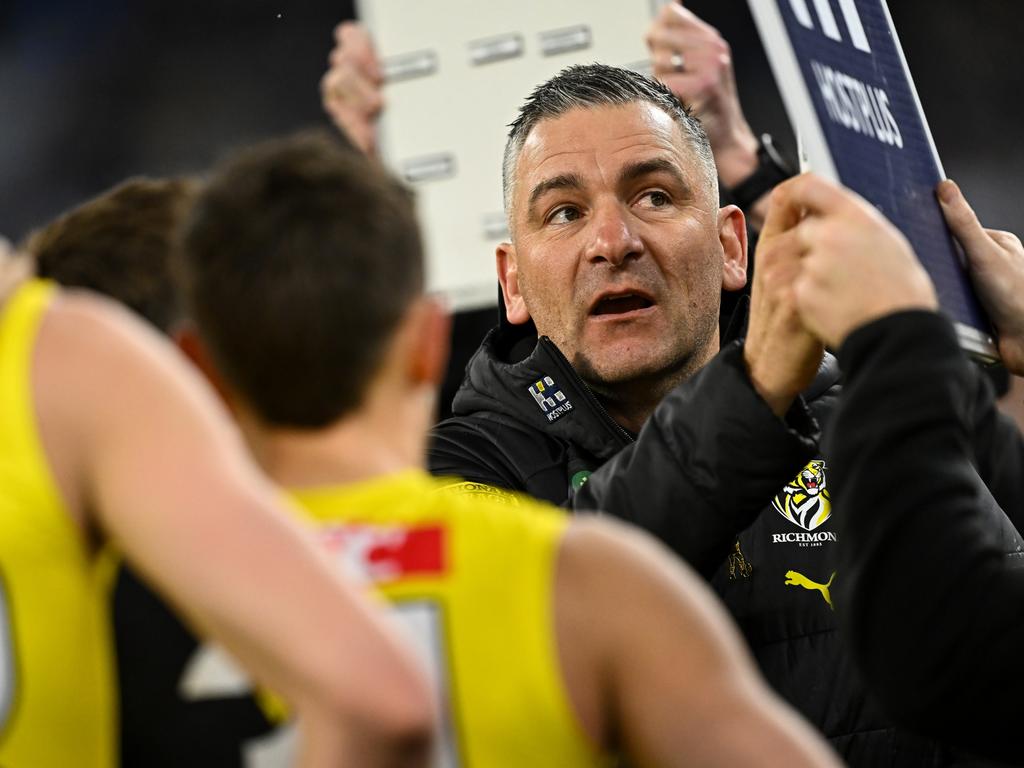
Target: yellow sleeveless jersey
(471, 577)
(56, 685)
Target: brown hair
(120, 244)
(300, 259)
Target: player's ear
(732, 233)
(431, 338)
(508, 275)
(187, 339)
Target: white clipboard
(457, 71)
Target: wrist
(770, 169)
(778, 402)
(736, 159)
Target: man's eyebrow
(562, 181)
(643, 168)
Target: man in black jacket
(604, 387)
(619, 256)
(932, 605)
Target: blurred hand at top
(693, 60)
(350, 90)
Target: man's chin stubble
(655, 376)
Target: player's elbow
(403, 724)
(386, 721)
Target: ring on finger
(677, 61)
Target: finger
(668, 39)
(778, 279)
(783, 214)
(817, 195)
(807, 296)
(335, 85)
(345, 32)
(676, 15)
(687, 86)
(695, 59)
(369, 68)
(787, 247)
(961, 217)
(676, 27)
(671, 15)
(346, 87)
(354, 39)
(1006, 240)
(808, 232)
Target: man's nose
(614, 238)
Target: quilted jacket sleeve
(706, 463)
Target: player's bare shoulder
(615, 584)
(626, 563)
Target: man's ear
(732, 232)
(186, 338)
(431, 330)
(508, 276)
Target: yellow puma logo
(795, 579)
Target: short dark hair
(300, 259)
(592, 85)
(121, 244)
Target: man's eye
(564, 215)
(656, 198)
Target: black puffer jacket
(737, 492)
(920, 490)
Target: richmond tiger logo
(805, 501)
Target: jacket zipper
(588, 394)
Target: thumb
(961, 217)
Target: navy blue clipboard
(849, 94)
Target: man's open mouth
(620, 304)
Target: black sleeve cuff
(916, 333)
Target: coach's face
(619, 249)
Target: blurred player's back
(56, 679)
(471, 577)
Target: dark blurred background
(92, 92)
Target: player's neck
(382, 437)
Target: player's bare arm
(653, 666)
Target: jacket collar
(516, 374)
